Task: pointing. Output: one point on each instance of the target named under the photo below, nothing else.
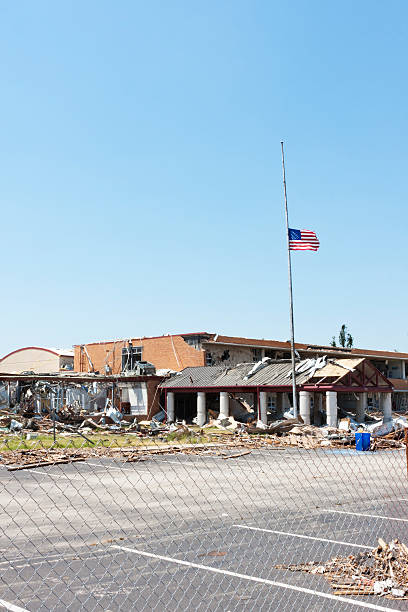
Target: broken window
(226, 355)
(209, 360)
(194, 341)
(131, 355)
(256, 354)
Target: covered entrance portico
(321, 391)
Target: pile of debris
(293, 432)
(27, 459)
(382, 571)
(22, 459)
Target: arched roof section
(57, 352)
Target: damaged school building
(264, 390)
(74, 395)
(179, 351)
(37, 379)
(194, 375)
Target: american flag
(303, 240)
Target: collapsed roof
(356, 374)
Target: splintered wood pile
(382, 571)
(39, 457)
(26, 459)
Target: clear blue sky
(140, 169)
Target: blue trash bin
(362, 440)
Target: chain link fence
(201, 520)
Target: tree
(345, 338)
(342, 335)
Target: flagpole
(292, 326)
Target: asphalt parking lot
(182, 532)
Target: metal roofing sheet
(274, 374)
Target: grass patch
(74, 441)
(188, 437)
(195, 435)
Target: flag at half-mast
(303, 240)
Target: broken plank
(248, 452)
(27, 466)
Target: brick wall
(164, 352)
(153, 398)
(100, 353)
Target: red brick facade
(164, 352)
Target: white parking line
(48, 558)
(56, 475)
(282, 585)
(306, 537)
(11, 607)
(388, 518)
(83, 559)
(175, 462)
(112, 467)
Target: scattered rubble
(382, 571)
(26, 415)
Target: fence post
(406, 447)
(53, 414)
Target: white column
(361, 407)
(331, 408)
(201, 409)
(263, 405)
(386, 406)
(224, 405)
(403, 373)
(170, 407)
(304, 406)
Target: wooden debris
(27, 466)
(248, 452)
(382, 571)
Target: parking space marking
(113, 467)
(282, 585)
(56, 561)
(388, 518)
(61, 555)
(56, 475)
(11, 607)
(189, 462)
(306, 537)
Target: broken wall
(228, 354)
(136, 395)
(77, 396)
